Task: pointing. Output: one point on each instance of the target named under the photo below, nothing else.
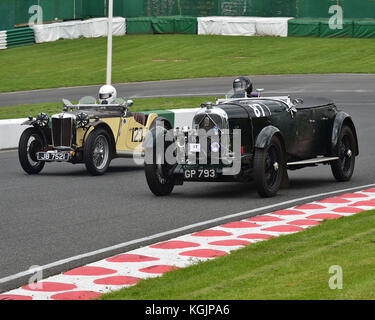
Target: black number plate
(200, 173)
(53, 156)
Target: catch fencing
(16, 12)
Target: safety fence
(18, 12)
(16, 37)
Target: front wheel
(97, 152)
(31, 142)
(159, 178)
(343, 168)
(269, 168)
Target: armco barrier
(16, 37)
(3, 40)
(11, 130)
(20, 37)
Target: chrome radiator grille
(62, 132)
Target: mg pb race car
(248, 137)
(90, 132)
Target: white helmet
(107, 94)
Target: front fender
(342, 118)
(29, 122)
(264, 137)
(153, 135)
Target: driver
(242, 87)
(107, 94)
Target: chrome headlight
(82, 119)
(42, 119)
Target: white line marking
(170, 232)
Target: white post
(109, 46)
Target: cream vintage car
(88, 132)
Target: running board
(130, 154)
(313, 161)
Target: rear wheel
(343, 168)
(269, 168)
(97, 152)
(31, 142)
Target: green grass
(157, 57)
(288, 267)
(144, 104)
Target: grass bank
(157, 57)
(294, 266)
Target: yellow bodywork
(128, 134)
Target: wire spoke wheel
(97, 152)
(101, 152)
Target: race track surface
(65, 212)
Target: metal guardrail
(16, 37)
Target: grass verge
(294, 266)
(142, 104)
(156, 57)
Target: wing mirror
(129, 103)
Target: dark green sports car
(248, 137)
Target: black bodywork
(308, 129)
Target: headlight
(215, 147)
(82, 119)
(42, 119)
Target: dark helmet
(243, 84)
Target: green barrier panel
(304, 28)
(346, 31)
(169, 115)
(138, 25)
(188, 25)
(364, 28)
(163, 24)
(175, 24)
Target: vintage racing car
(88, 132)
(248, 137)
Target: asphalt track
(65, 212)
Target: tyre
(30, 143)
(269, 168)
(157, 171)
(343, 168)
(97, 152)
